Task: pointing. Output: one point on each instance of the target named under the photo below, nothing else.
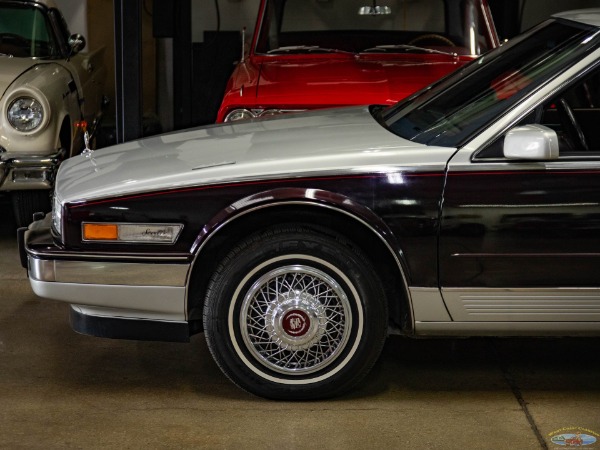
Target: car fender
(89, 73)
(56, 89)
(285, 196)
(309, 198)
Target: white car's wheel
(27, 203)
(295, 314)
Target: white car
(50, 93)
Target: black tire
(26, 203)
(295, 314)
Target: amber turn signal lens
(147, 233)
(100, 232)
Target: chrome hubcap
(295, 320)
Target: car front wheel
(294, 313)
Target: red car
(310, 54)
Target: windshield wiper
(385, 48)
(305, 49)
(6, 54)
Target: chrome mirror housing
(76, 43)
(531, 142)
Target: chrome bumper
(126, 288)
(28, 172)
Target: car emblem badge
(296, 323)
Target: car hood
(11, 68)
(355, 80)
(333, 141)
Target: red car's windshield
(311, 26)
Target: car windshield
(25, 32)
(451, 111)
(393, 26)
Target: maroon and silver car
(297, 243)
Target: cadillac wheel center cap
(296, 323)
(295, 320)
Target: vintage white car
(49, 93)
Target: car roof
(589, 16)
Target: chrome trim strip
(46, 164)
(108, 273)
(33, 160)
(166, 301)
(58, 255)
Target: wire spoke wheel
(295, 313)
(296, 319)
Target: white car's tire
(26, 203)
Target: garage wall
(535, 11)
(75, 13)
(100, 21)
(235, 14)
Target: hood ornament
(86, 139)
(87, 151)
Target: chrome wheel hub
(295, 320)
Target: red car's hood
(354, 81)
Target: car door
(520, 240)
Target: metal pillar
(182, 64)
(172, 26)
(128, 69)
(507, 16)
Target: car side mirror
(531, 142)
(76, 43)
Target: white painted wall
(75, 13)
(536, 11)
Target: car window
(302, 15)
(574, 113)
(455, 26)
(470, 99)
(24, 32)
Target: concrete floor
(62, 390)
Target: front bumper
(110, 296)
(28, 172)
